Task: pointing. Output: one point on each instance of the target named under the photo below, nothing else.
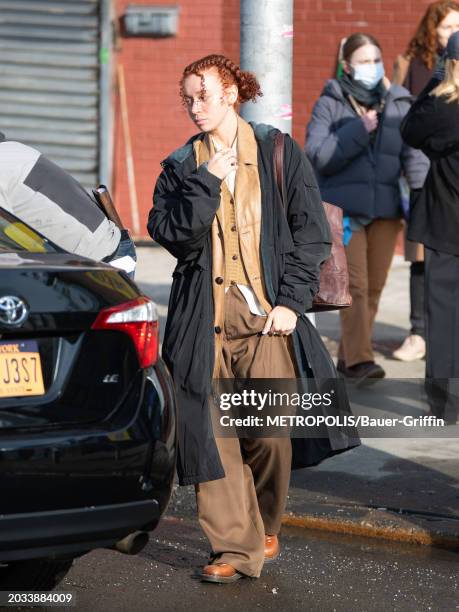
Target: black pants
(417, 298)
(442, 333)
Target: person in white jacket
(52, 202)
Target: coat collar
(246, 143)
(182, 153)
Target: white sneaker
(413, 347)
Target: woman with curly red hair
(415, 67)
(247, 271)
(414, 70)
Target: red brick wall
(152, 69)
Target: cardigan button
(233, 228)
(218, 329)
(234, 257)
(219, 280)
(233, 283)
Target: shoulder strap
(278, 159)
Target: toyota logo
(13, 310)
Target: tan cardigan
(247, 207)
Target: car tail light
(139, 320)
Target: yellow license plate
(20, 369)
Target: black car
(87, 410)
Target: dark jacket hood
(2, 137)
(263, 133)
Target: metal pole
(105, 102)
(266, 50)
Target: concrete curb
(379, 524)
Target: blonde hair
(449, 87)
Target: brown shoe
(222, 573)
(272, 547)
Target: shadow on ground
(387, 337)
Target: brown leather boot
(222, 573)
(272, 547)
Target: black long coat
(292, 248)
(432, 125)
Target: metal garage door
(49, 80)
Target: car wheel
(33, 575)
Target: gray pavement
(399, 489)
(315, 572)
(403, 488)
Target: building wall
(152, 69)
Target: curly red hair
(424, 43)
(229, 73)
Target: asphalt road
(315, 572)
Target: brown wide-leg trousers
(237, 511)
(369, 255)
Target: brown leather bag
(334, 279)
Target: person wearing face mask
(413, 70)
(354, 143)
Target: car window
(17, 236)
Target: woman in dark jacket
(432, 125)
(246, 273)
(414, 70)
(354, 143)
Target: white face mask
(368, 75)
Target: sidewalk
(403, 489)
